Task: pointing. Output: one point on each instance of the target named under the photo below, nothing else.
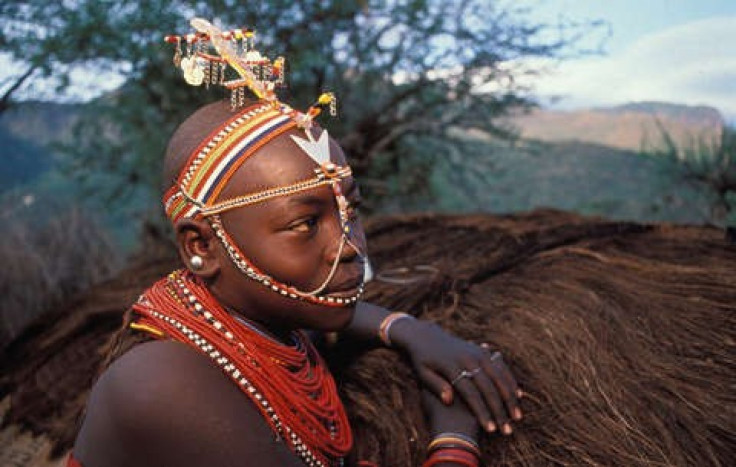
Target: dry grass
(622, 334)
(45, 263)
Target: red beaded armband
(455, 456)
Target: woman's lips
(345, 289)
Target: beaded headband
(211, 165)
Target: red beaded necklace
(290, 385)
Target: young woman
(264, 204)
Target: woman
(264, 204)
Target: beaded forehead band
(220, 155)
(210, 167)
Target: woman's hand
(446, 364)
(453, 418)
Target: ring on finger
(465, 374)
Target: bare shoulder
(163, 403)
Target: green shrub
(709, 165)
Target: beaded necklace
(289, 384)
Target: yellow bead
(325, 98)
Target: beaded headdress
(211, 56)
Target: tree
(408, 74)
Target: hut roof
(622, 334)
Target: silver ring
(465, 374)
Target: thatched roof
(624, 336)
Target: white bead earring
(197, 262)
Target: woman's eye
(304, 225)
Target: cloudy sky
(681, 51)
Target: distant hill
(585, 161)
(630, 126)
(575, 176)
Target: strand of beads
(289, 384)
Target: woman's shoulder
(165, 403)
(152, 368)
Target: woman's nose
(347, 243)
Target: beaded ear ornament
(228, 58)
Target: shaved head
(190, 134)
(195, 129)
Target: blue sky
(680, 51)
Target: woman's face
(295, 239)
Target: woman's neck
(246, 317)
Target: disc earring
(197, 262)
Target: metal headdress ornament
(234, 51)
(214, 56)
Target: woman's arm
(446, 364)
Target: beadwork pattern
(250, 270)
(306, 413)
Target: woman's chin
(334, 318)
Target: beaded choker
(289, 384)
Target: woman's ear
(197, 246)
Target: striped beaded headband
(218, 157)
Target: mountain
(585, 161)
(630, 126)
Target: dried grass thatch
(623, 335)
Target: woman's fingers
(492, 400)
(483, 381)
(510, 380)
(436, 385)
(505, 383)
(474, 401)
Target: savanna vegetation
(707, 164)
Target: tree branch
(5, 102)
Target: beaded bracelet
(455, 456)
(455, 441)
(386, 324)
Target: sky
(680, 51)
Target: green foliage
(708, 164)
(406, 73)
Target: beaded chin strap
(210, 167)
